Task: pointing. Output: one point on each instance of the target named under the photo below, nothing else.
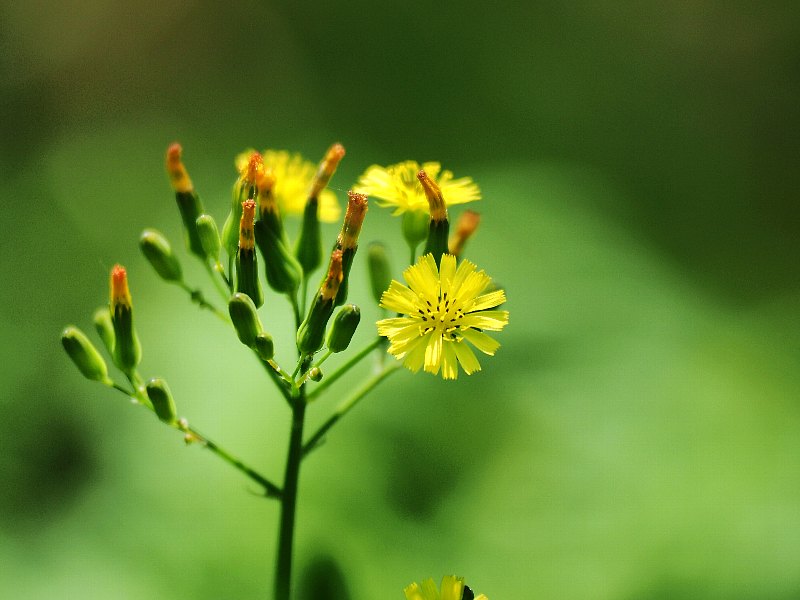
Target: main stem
(283, 571)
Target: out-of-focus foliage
(636, 435)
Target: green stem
(199, 299)
(303, 294)
(283, 572)
(271, 490)
(330, 379)
(223, 292)
(298, 319)
(345, 407)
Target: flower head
(445, 308)
(397, 186)
(453, 588)
(293, 180)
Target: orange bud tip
(467, 224)
(335, 153)
(353, 219)
(326, 170)
(120, 294)
(254, 169)
(178, 177)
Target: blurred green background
(638, 433)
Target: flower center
(442, 317)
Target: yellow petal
(466, 357)
(400, 299)
(485, 301)
(481, 341)
(452, 587)
(493, 320)
(449, 361)
(433, 353)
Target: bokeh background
(637, 435)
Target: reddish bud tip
(119, 292)
(178, 177)
(333, 279)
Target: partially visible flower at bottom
(453, 588)
(445, 308)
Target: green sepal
(158, 252)
(415, 226)
(209, 236)
(281, 268)
(127, 350)
(230, 229)
(264, 346)
(311, 333)
(83, 353)
(244, 318)
(343, 327)
(104, 328)
(438, 232)
(348, 255)
(309, 243)
(380, 272)
(191, 207)
(161, 398)
(247, 281)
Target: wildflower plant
(443, 310)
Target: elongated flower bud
(311, 333)
(244, 318)
(104, 328)
(268, 211)
(247, 281)
(465, 227)
(127, 351)
(439, 227)
(343, 327)
(84, 354)
(380, 272)
(161, 398)
(347, 241)
(326, 169)
(158, 252)
(309, 243)
(189, 203)
(280, 266)
(244, 189)
(415, 227)
(209, 236)
(264, 346)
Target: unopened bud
(439, 227)
(347, 241)
(467, 224)
(127, 351)
(415, 226)
(244, 318)
(343, 327)
(309, 243)
(84, 354)
(281, 267)
(315, 374)
(380, 272)
(104, 327)
(326, 169)
(245, 188)
(311, 333)
(161, 398)
(188, 201)
(209, 236)
(247, 281)
(158, 253)
(264, 346)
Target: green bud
(84, 354)
(127, 350)
(245, 318)
(282, 269)
(247, 281)
(315, 374)
(104, 328)
(438, 233)
(161, 397)
(344, 326)
(209, 236)
(191, 207)
(264, 346)
(379, 270)
(230, 229)
(312, 331)
(415, 227)
(309, 243)
(348, 254)
(158, 252)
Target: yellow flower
(293, 176)
(445, 309)
(453, 588)
(397, 186)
